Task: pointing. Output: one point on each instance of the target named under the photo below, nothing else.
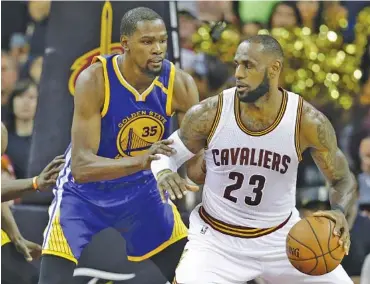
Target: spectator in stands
(358, 126)
(250, 29)
(19, 48)
(9, 77)
(188, 25)
(216, 11)
(333, 13)
(361, 129)
(22, 109)
(285, 15)
(210, 75)
(311, 14)
(364, 177)
(39, 12)
(36, 69)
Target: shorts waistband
(237, 231)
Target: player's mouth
(241, 87)
(156, 61)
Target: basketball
(312, 248)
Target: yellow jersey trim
(298, 129)
(163, 88)
(57, 243)
(171, 83)
(106, 84)
(138, 97)
(216, 119)
(268, 129)
(179, 232)
(4, 238)
(60, 254)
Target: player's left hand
(341, 228)
(29, 249)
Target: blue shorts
(148, 225)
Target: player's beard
(260, 91)
(152, 73)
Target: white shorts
(211, 257)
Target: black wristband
(338, 207)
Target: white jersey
(251, 176)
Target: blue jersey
(130, 124)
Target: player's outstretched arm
(320, 137)
(188, 140)
(86, 165)
(11, 189)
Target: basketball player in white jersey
(253, 136)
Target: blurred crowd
(327, 48)
(23, 41)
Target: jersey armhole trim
(298, 129)
(216, 120)
(106, 84)
(171, 83)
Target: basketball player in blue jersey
(123, 109)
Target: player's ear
(124, 42)
(275, 69)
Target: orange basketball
(312, 248)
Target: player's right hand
(48, 176)
(171, 182)
(160, 147)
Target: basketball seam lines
(330, 251)
(317, 239)
(307, 248)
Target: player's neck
(264, 105)
(133, 75)
(24, 127)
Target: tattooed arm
(318, 135)
(189, 140)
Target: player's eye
(248, 65)
(163, 41)
(147, 42)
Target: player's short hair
(131, 18)
(270, 45)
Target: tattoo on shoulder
(198, 120)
